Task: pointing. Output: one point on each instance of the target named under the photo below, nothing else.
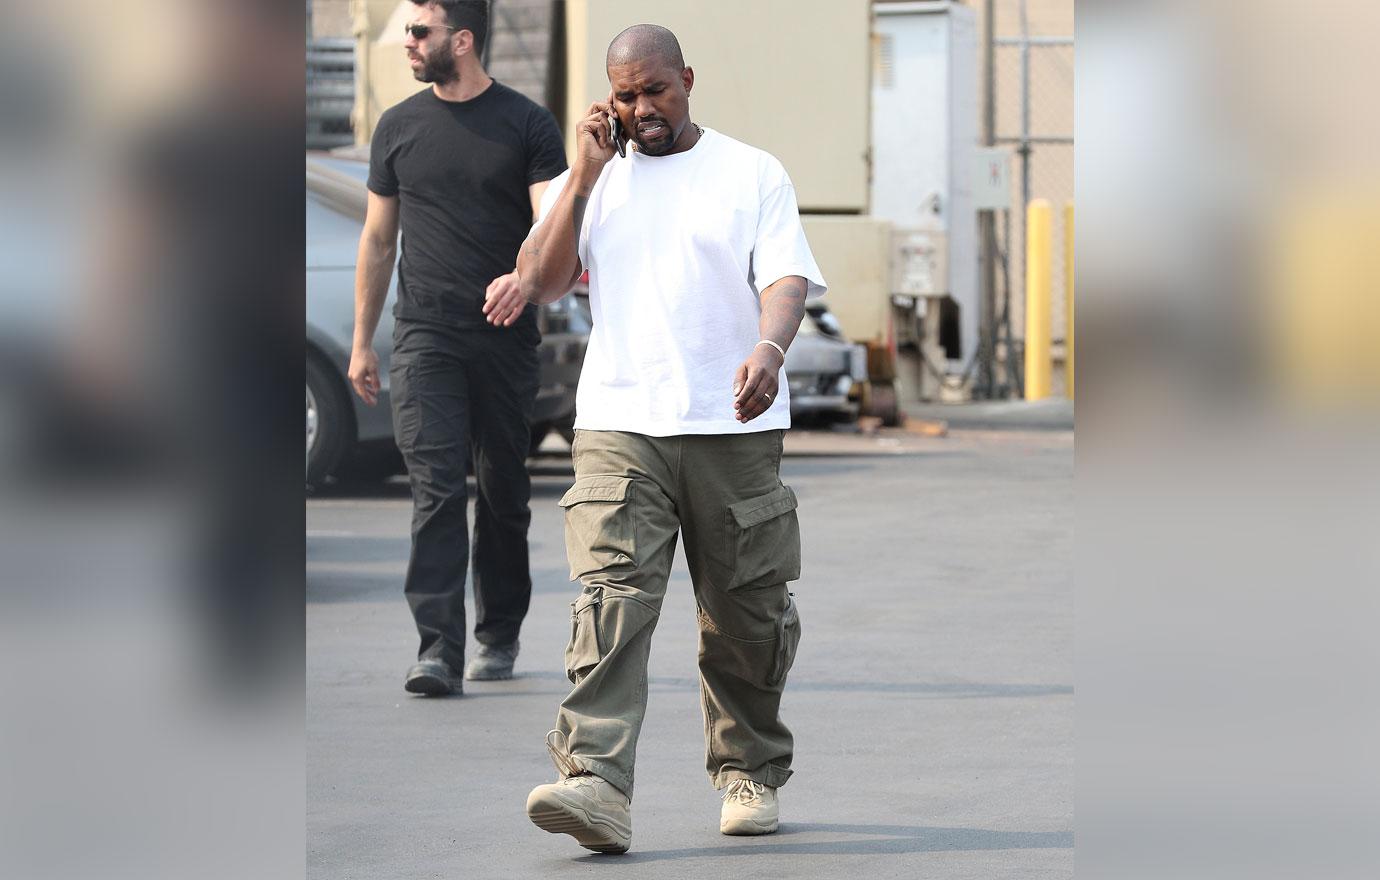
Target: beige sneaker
(749, 808)
(580, 804)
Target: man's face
(652, 100)
(432, 58)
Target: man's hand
(503, 301)
(364, 374)
(755, 386)
(593, 143)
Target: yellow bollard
(1039, 322)
(1068, 297)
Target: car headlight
(843, 385)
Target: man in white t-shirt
(699, 273)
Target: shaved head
(644, 41)
(649, 89)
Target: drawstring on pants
(559, 749)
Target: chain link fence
(1033, 68)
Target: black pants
(456, 394)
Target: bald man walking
(699, 273)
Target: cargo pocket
(603, 623)
(763, 540)
(787, 642)
(584, 651)
(600, 529)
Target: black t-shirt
(461, 171)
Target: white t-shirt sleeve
(548, 201)
(780, 248)
(549, 196)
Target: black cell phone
(620, 143)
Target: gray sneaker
(492, 663)
(432, 678)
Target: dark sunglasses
(422, 31)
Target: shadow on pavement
(888, 840)
(942, 690)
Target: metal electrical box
(919, 263)
(924, 131)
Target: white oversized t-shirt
(678, 250)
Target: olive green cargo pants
(632, 494)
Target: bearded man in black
(461, 168)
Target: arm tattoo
(577, 215)
(532, 286)
(783, 307)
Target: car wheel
(879, 400)
(327, 422)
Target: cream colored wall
(330, 18)
(788, 76)
(853, 253)
(382, 75)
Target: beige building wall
(382, 75)
(519, 39)
(788, 76)
(853, 254)
(331, 18)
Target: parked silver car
(822, 367)
(344, 435)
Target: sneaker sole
(745, 827)
(429, 686)
(550, 813)
(488, 676)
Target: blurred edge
(150, 445)
(1229, 357)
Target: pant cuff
(608, 772)
(771, 776)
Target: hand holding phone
(595, 140)
(620, 142)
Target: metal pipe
(1024, 150)
(987, 345)
(1025, 108)
(989, 115)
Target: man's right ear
(464, 43)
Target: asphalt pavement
(932, 699)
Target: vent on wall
(884, 61)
